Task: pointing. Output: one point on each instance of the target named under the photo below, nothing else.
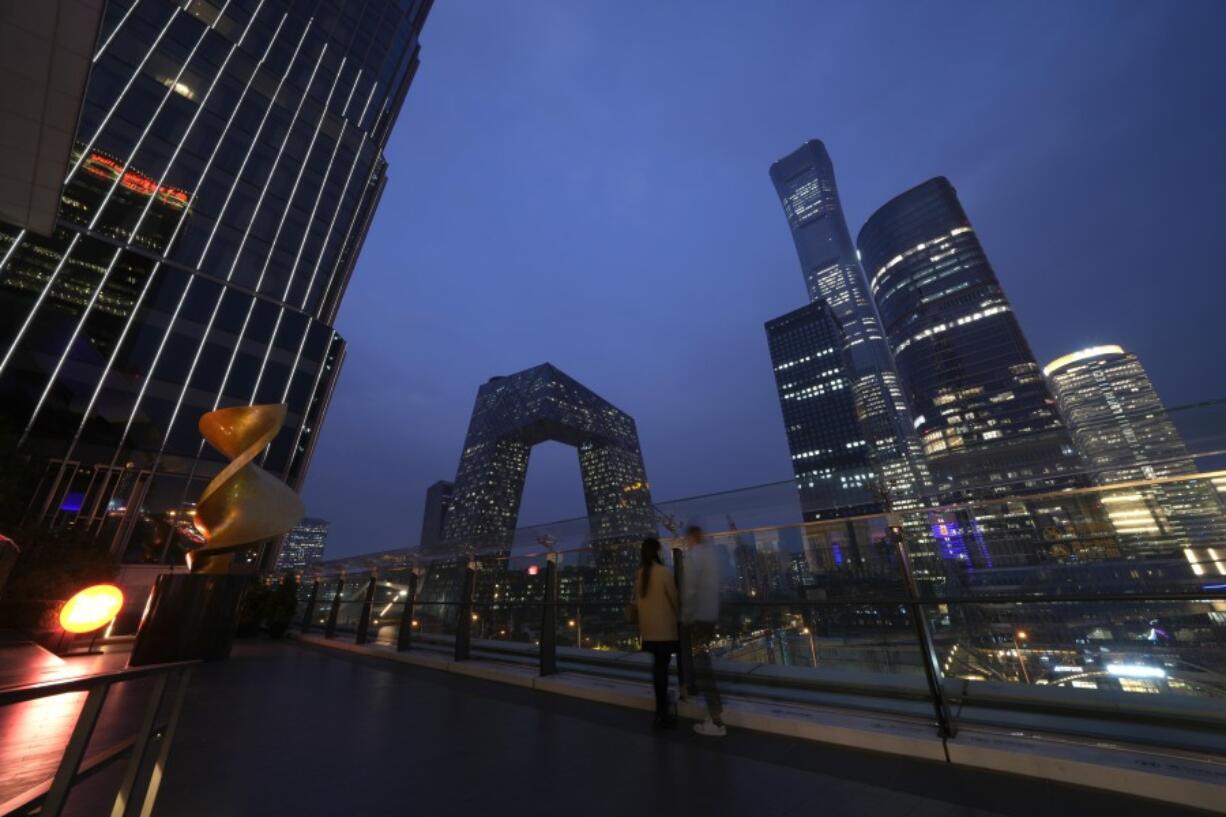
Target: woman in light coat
(655, 603)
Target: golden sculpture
(243, 504)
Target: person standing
(700, 612)
(655, 604)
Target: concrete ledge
(1173, 778)
(1188, 780)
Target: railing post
(368, 603)
(70, 762)
(549, 618)
(464, 622)
(136, 759)
(404, 639)
(309, 615)
(685, 655)
(330, 628)
(167, 737)
(928, 653)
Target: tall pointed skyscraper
(875, 461)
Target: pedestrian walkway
(288, 729)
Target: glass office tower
(225, 169)
(830, 456)
(987, 421)
(1127, 437)
(304, 545)
(891, 467)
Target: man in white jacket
(700, 613)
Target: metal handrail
(135, 796)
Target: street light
(1020, 635)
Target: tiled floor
(282, 729)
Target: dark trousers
(662, 653)
(701, 635)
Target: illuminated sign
(92, 608)
(104, 167)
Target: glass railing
(1095, 610)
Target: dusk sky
(585, 183)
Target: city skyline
(662, 221)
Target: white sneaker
(711, 729)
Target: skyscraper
(434, 516)
(987, 421)
(830, 456)
(1126, 437)
(879, 458)
(225, 168)
(304, 545)
(515, 412)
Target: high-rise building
(516, 412)
(224, 170)
(830, 457)
(1126, 437)
(304, 545)
(434, 516)
(988, 423)
(880, 458)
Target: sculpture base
(191, 616)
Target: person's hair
(649, 555)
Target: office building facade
(987, 422)
(1126, 437)
(226, 165)
(516, 412)
(434, 514)
(304, 545)
(890, 465)
(834, 472)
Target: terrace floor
(284, 728)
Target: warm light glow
(1093, 351)
(92, 608)
(571, 623)
(533, 570)
(1021, 635)
(1136, 671)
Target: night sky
(586, 184)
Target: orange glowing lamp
(92, 608)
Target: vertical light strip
(55, 373)
(16, 241)
(42, 296)
(118, 26)
(357, 212)
(204, 341)
(340, 202)
(302, 242)
(89, 146)
(293, 371)
(280, 222)
(191, 277)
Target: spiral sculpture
(243, 504)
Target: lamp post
(1020, 635)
